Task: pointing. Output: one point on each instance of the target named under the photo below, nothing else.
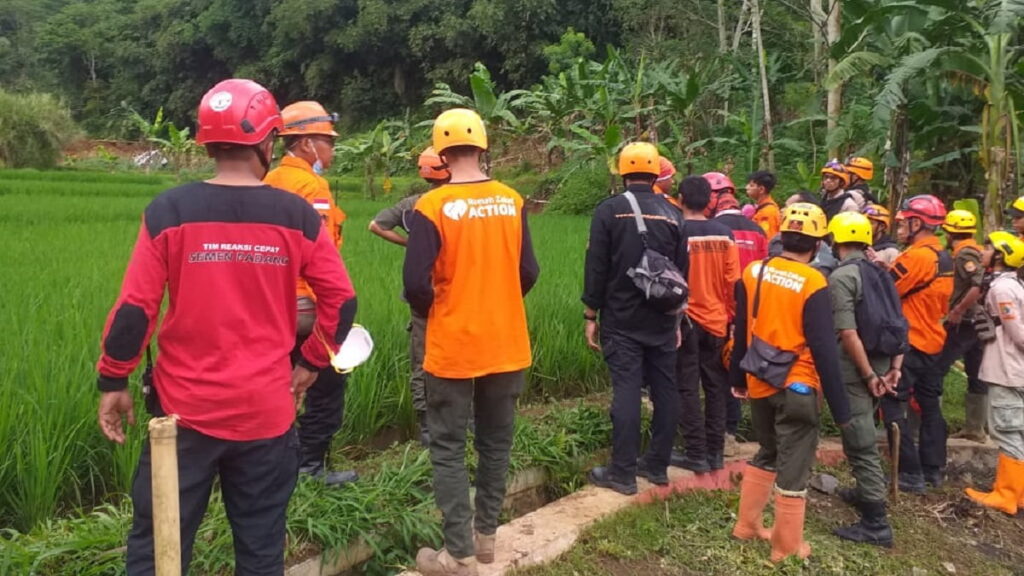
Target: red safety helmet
(237, 111)
(666, 170)
(924, 207)
(718, 181)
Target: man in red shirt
(227, 252)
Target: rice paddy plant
(391, 510)
(66, 238)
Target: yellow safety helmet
(640, 158)
(306, 118)
(805, 218)
(1016, 209)
(860, 166)
(960, 222)
(1010, 246)
(850, 227)
(459, 127)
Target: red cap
(237, 111)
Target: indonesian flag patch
(321, 205)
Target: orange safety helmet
(877, 213)
(307, 118)
(432, 167)
(862, 167)
(835, 168)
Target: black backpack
(656, 275)
(880, 322)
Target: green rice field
(66, 237)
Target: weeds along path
(66, 238)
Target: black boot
(716, 461)
(872, 528)
(849, 496)
(314, 465)
(421, 417)
(695, 464)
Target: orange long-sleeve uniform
(768, 217)
(295, 175)
(924, 280)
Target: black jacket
(615, 246)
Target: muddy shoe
(484, 547)
(697, 465)
(913, 483)
(430, 562)
(602, 477)
(934, 478)
(872, 528)
(645, 471)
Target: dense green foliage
(34, 128)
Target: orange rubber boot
(788, 533)
(1006, 490)
(755, 490)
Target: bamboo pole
(895, 462)
(163, 438)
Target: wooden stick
(895, 462)
(163, 438)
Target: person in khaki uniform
(1001, 369)
(866, 377)
(961, 338)
(435, 172)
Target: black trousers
(323, 414)
(256, 481)
(921, 380)
(699, 366)
(632, 364)
(962, 342)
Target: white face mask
(318, 166)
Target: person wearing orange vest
(964, 306)
(309, 150)
(1016, 214)
(783, 305)
(766, 213)
(924, 281)
(433, 170)
(468, 265)
(666, 182)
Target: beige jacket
(1003, 359)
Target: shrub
(34, 128)
(582, 188)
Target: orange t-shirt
(785, 289)
(768, 217)
(924, 280)
(295, 175)
(713, 267)
(477, 320)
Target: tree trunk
(755, 19)
(897, 177)
(817, 25)
(723, 35)
(835, 95)
(740, 24)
